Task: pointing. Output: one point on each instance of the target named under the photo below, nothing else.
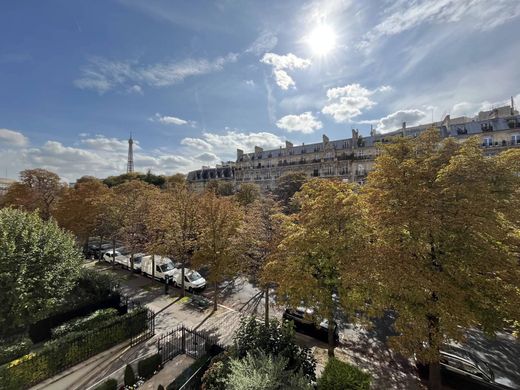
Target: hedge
(90, 322)
(75, 347)
(338, 375)
(110, 384)
(14, 348)
(147, 367)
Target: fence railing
(183, 340)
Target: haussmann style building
(352, 158)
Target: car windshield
(194, 276)
(137, 260)
(167, 267)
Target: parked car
(110, 255)
(192, 279)
(124, 261)
(305, 322)
(164, 267)
(461, 370)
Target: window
(515, 139)
(488, 141)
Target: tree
(220, 245)
(40, 263)
(263, 233)
(38, 189)
(79, 208)
(445, 217)
(134, 198)
(178, 219)
(108, 223)
(247, 194)
(287, 185)
(339, 375)
(320, 255)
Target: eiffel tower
(130, 164)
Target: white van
(110, 254)
(163, 267)
(124, 261)
(192, 279)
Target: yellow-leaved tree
(445, 217)
(220, 243)
(320, 260)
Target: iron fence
(183, 340)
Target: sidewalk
(170, 371)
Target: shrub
(59, 354)
(129, 376)
(10, 350)
(274, 339)
(90, 322)
(147, 367)
(258, 371)
(110, 384)
(338, 375)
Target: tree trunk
(99, 251)
(113, 252)
(183, 287)
(434, 381)
(132, 262)
(266, 305)
(330, 331)
(153, 268)
(215, 297)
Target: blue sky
(194, 80)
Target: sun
(322, 40)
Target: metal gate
(183, 340)
(147, 332)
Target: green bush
(129, 376)
(75, 347)
(90, 322)
(338, 375)
(147, 367)
(14, 348)
(110, 384)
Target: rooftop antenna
(130, 164)
(512, 106)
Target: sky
(195, 80)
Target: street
(363, 347)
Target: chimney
(404, 129)
(325, 139)
(240, 153)
(288, 145)
(258, 149)
(372, 131)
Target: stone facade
(352, 158)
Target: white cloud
(207, 157)
(135, 89)
(281, 64)
(106, 144)
(265, 42)
(12, 138)
(405, 15)
(345, 103)
(168, 120)
(250, 83)
(305, 123)
(103, 75)
(225, 145)
(196, 143)
(395, 120)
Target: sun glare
(322, 40)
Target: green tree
(38, 189)
(286, 186)
(247, 194)
(339, 375)
(321, 252)
(445, 217)
(260, 371)
(220, 244)
(40, 263)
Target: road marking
(226, 307)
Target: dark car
(306, 323)
(462, 370)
